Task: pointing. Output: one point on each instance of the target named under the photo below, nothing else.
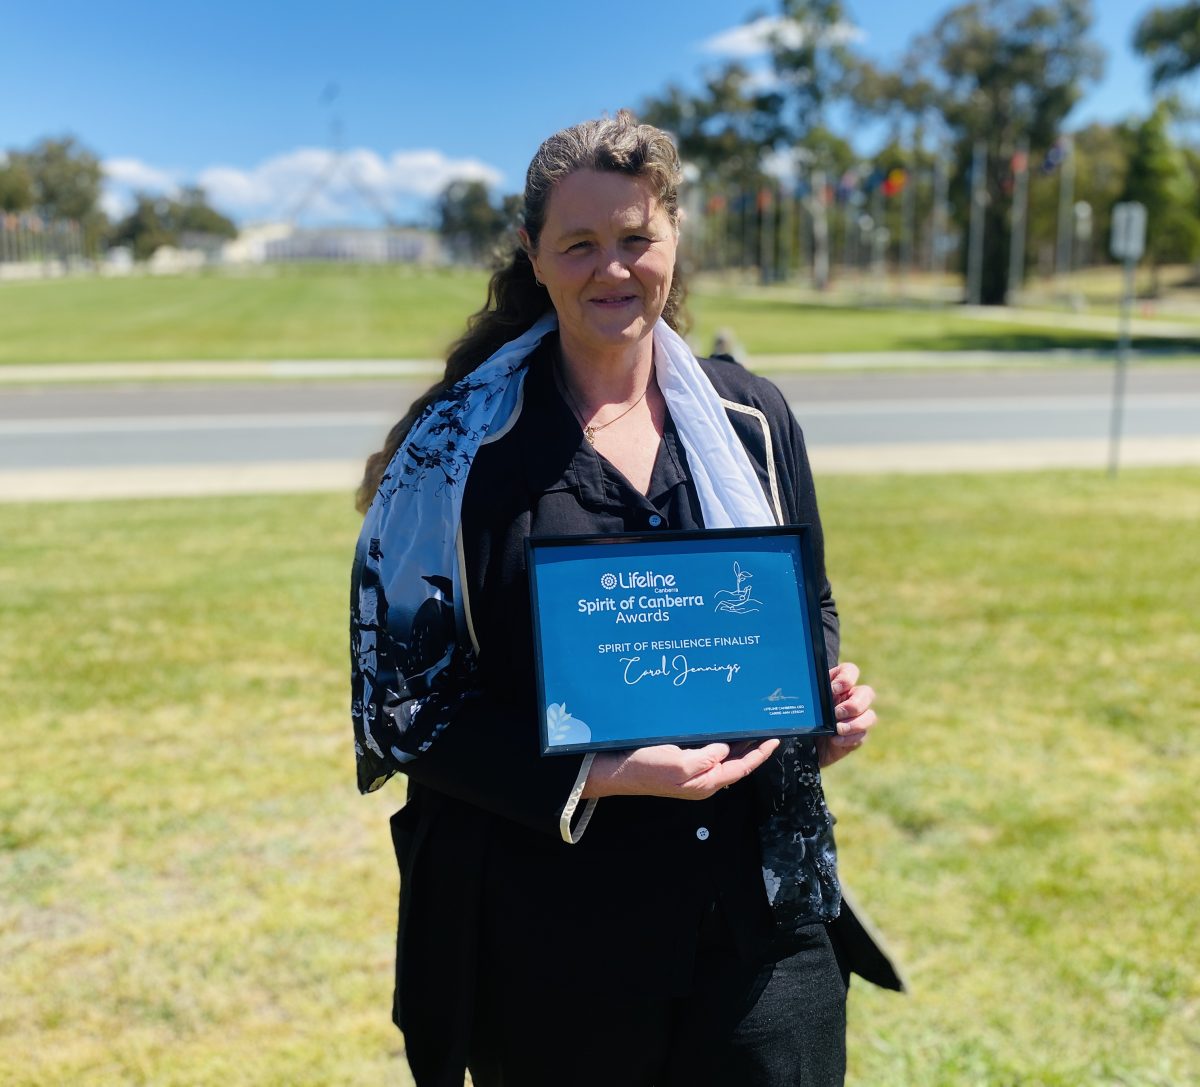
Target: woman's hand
(668, 770)
(695, 774)
(855, 718)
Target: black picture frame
(548, 559)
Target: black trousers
(742, 1025)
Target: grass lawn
(357, 312)
(192, 893)
(768, 323)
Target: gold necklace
(590, 431)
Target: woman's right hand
(672, 771)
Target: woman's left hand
(855, 718)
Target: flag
(1054, 156)
(895, 181)
(847, 184)
(874, 179)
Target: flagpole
(820, 229)
(975, 250)
(1016, 253)
(786, 228)
(1066, 208)
(908, 225)
(939, 250)
(766, 234)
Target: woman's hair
(515, 299)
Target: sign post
(1128, 244)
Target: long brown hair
(515, 299)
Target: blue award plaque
(677, 637)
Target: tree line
(973, 111)
(58, 180)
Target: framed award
(677, 637)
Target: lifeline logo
(638, 579)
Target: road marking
(189, 370)
(179, 481)
(300, 477)
(1000, 456)
(976, 406)
(127, 424)
(123, 424)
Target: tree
(66, 178)
(1101, 162)
(158, 220)
(724, 130)
(469, 221)
(814, 63)
(16, 186)
(145, 228)
(730, 128)
(190, 213)
(1169, 37)
(1160, 179)
(998, 71)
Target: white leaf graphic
(562, 728)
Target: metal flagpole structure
(820, 229)
(908, 219)
(940, 245)
(787, 229)
(975, 242)
(1066, 208)
(765, 203)
(1016, 252)
(1128, 244)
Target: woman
(570, 919)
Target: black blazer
(478, 842)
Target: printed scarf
(411, 659)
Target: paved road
(188, 437)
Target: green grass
(281, 313)
(192, 893)
(768, 323)
(359, 312)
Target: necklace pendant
(590, 433)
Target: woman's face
(606, 255)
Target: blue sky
(235, 95)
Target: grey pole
(1016, 252)
(764, 201)
(975, 251)
(1128, 243)
(749, 226)
(820, 229)
(1118, 402)
(1066, 208)
(941, 217)
(908, 214)
(787, 229)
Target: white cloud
(754, 38)
(124, 177)
(761, 80)
(327, 188)
(135, 174)
(114, 204)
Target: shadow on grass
(916, 327)
(1018, 339)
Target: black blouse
(648, 871)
